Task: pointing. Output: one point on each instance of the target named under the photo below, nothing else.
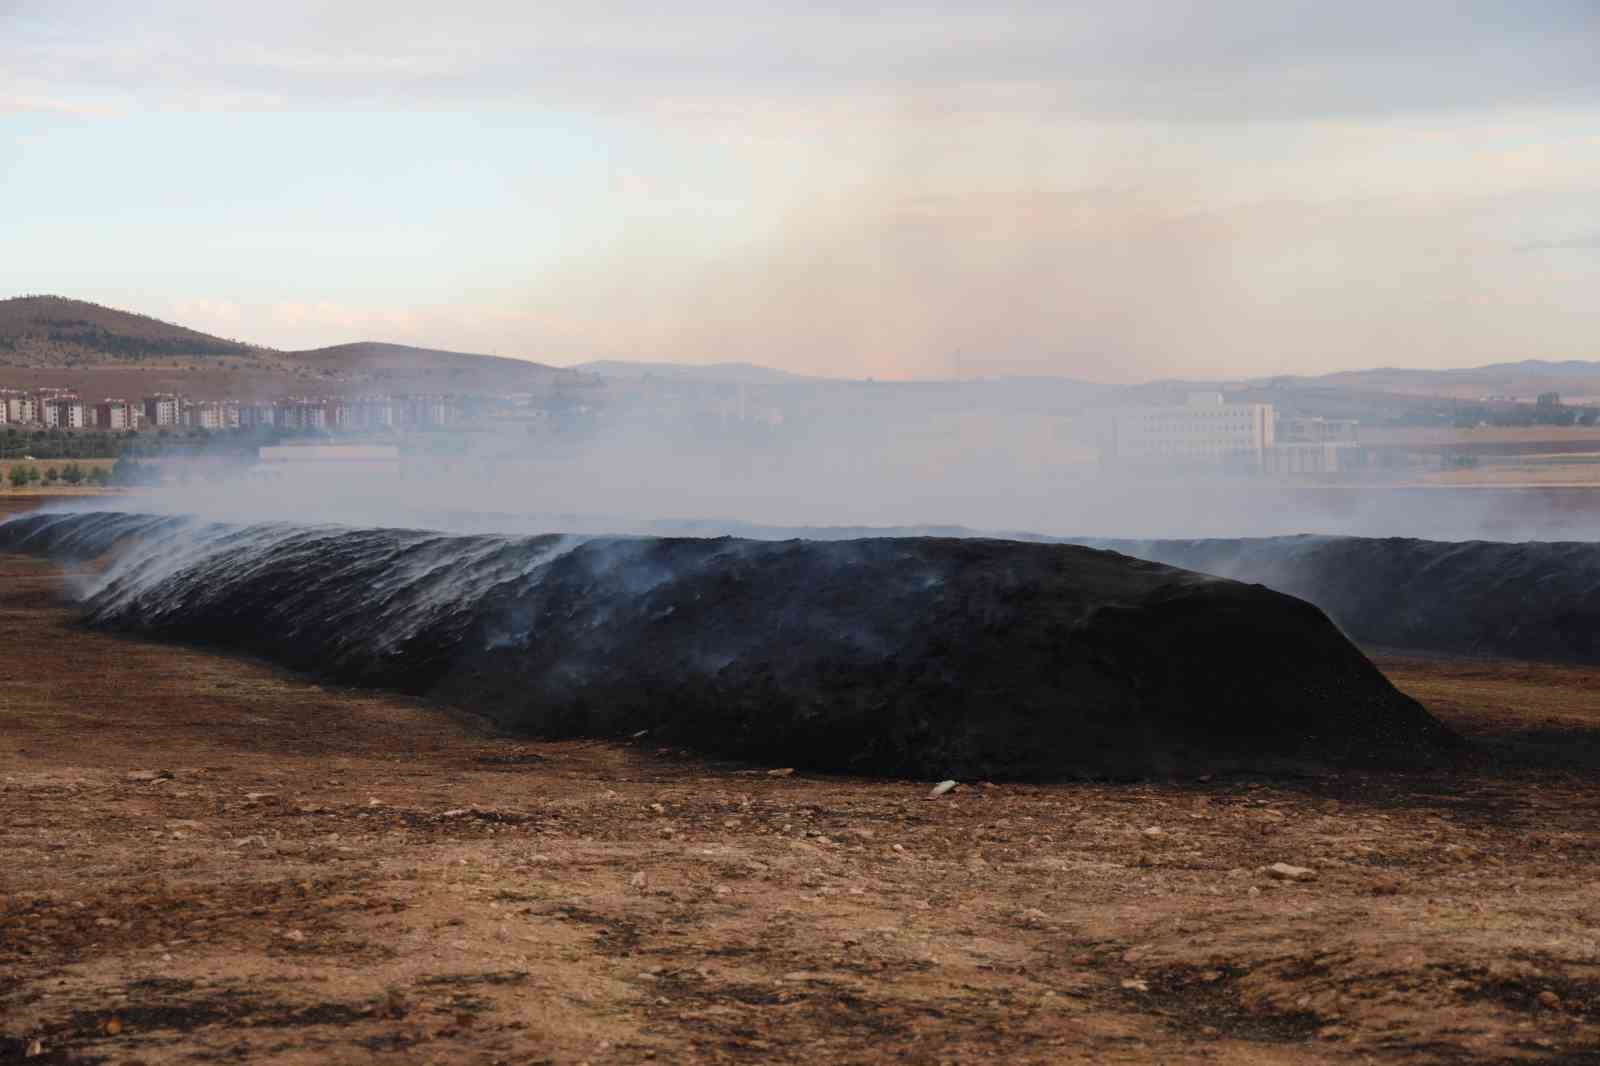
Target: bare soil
(208, 859)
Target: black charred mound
(1533, 600)
(920, 657)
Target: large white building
(1205, 431)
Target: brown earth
(207, 858)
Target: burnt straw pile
(1532, 600)
(926, 657)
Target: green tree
(72, 474)
(18, 476)
(51, 475)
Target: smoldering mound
(924, 657)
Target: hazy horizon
(1116, 193)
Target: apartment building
(112, 414)
(63, 412)
(161, 410)
(21, 409)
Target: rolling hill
(52, 341)
(53, 331)
(401, 368)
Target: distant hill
(402, 368)
(1524, 379)
(711, 373)
(100, 351)
(53, 331)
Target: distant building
(300, 414)
(1327, 458)
(63, 412)
(369, 412)
(430, 411)
(112, 414)
(161, 410)
(22, 408)
(1318, 431)
(254, 415)
(1204, 432)
(204, 414)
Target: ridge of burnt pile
(910, 656)
(1522, 600)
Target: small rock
(1135, 984)
(149, 775)
(941, 788)
(1032, 916)
(294, 934)
(258, 797)
(637, 880)
(34, 1049)
(1549, 999)
(112, 1026)
(455, 812)
(1282, 871)
(1155, 831)
(785, 772)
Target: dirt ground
(208, 859)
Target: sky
(1112, 191)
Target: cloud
(1149, 58)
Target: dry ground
(206, 859)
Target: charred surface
(1533, 600)
(913, 656)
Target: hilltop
(101, 351)
(402, 368)
(53, 331)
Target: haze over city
(1117, 192)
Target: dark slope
(1535, 600)
(925, 657)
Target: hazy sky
(1113, 190)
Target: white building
(161, 410)
(205, 414)
(21, 408)
(63, 412)
(1205, 431)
